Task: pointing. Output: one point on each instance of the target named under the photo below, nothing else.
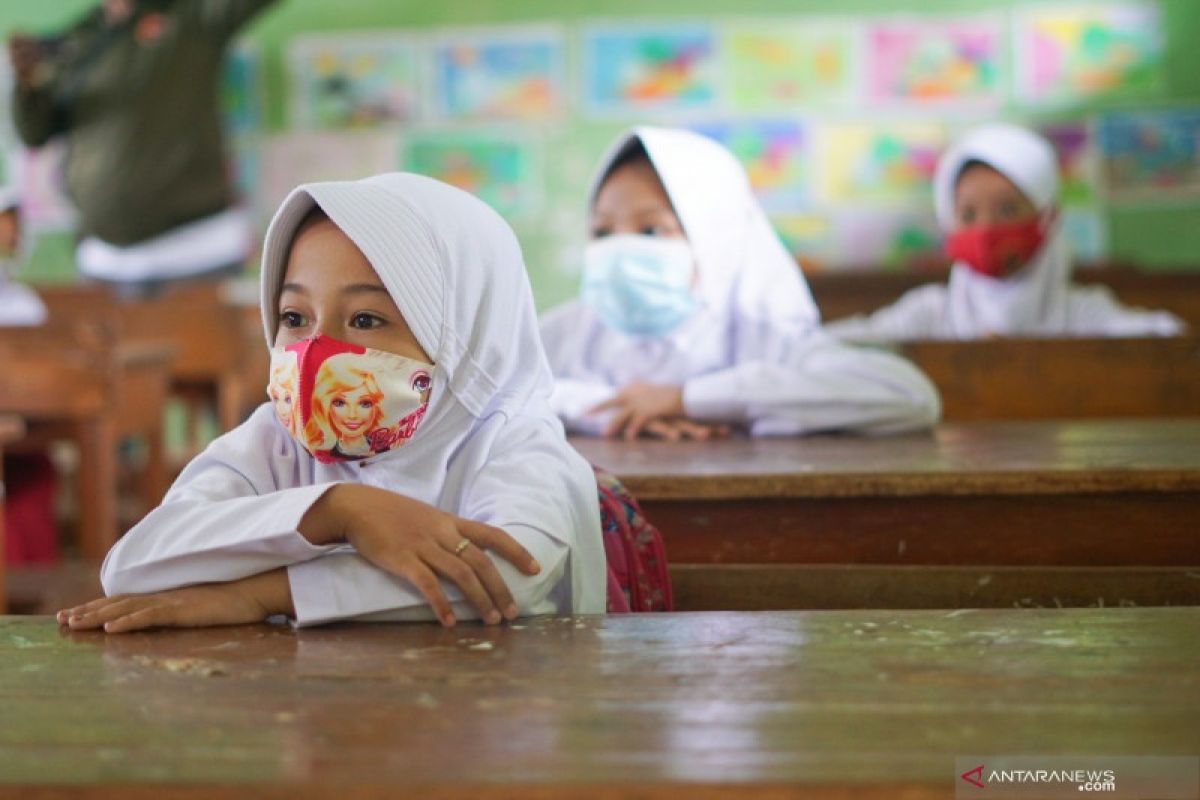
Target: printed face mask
(639, 285)
(997, 250)
(344, 402)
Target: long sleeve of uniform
(824, 386)
(233, 512)
(520, 489)
(1095, 311)
(918, 314)
(571, 400)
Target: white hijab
(754, 304)
(454, 269)
(744, 269)
(1035, 300)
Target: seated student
(20, 306)
(693, 317)
(470, 502)
(996, 193)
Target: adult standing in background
(133, 86)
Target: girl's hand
(239, 602)
(654, 410)
(418, 542)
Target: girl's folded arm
(830, 387)
(233, 512)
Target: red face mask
(992, 250)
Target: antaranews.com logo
(998, 777)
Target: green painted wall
(1165, 238)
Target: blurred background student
(132, 86)
(997, 196)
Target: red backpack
(638, 579)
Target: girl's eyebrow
(293, 287)
(356, 288)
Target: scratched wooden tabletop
(1032, 457)
(770, 704)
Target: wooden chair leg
(97, 487)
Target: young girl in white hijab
(693, 317)
(996, 194)
(20, 306)
(470, 503)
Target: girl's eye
(967, 216)
(651, 230)
(365, 321)
(292, 319)
(1008, 210)
(365, 404)
(421, 382)
(600, 233)
(338, 403)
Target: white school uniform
(1037, 301)
(753, 354)
(489, 447)
(20, 306)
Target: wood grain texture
(773, 704)
(12, 428)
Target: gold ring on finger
(463, 545)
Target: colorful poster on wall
(1075, 146)
(891, 239)
(633, 69)
(775, 154)
(880, 163)
(1150, 154)
(287, 160)
(1086, 233)
(768, 68)
(1086, 52)
(808, 236)
(936, 62)
(506, 74)
(501, 170)
(354, 81)
(241, 90)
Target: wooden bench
(831, 705)
(85, 386)
(972, 514)
(220, 356)
(11, 430)
(845, 293)
(1062, 378)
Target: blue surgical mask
(639, 285)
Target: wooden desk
(220, 355)
(731, 705)
(842, 294)
(11, 429)
(95, 393)
(1062, 378)
(973, 514)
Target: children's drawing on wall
(1091, 51)
(891, 163)
(484, 76)
(772, 67)
(638, 68)
(1074, 144)
(775, 154)
(935, 62)
(1149, 155)
(502, 170)
(353, 81)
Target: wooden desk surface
(993, 458)
(11, 428)
(811, 704)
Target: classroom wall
(1158, 230)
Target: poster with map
(882, 163)
(353, 81)
(498, 75)
(931, 61)
(502, 170)
(636, 68)
(775, 153)
(770, 68)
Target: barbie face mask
(344, 402)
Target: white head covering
(9, 198)
(744, 270)
(1035, 299)
(454, 270)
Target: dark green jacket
(141, 115)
